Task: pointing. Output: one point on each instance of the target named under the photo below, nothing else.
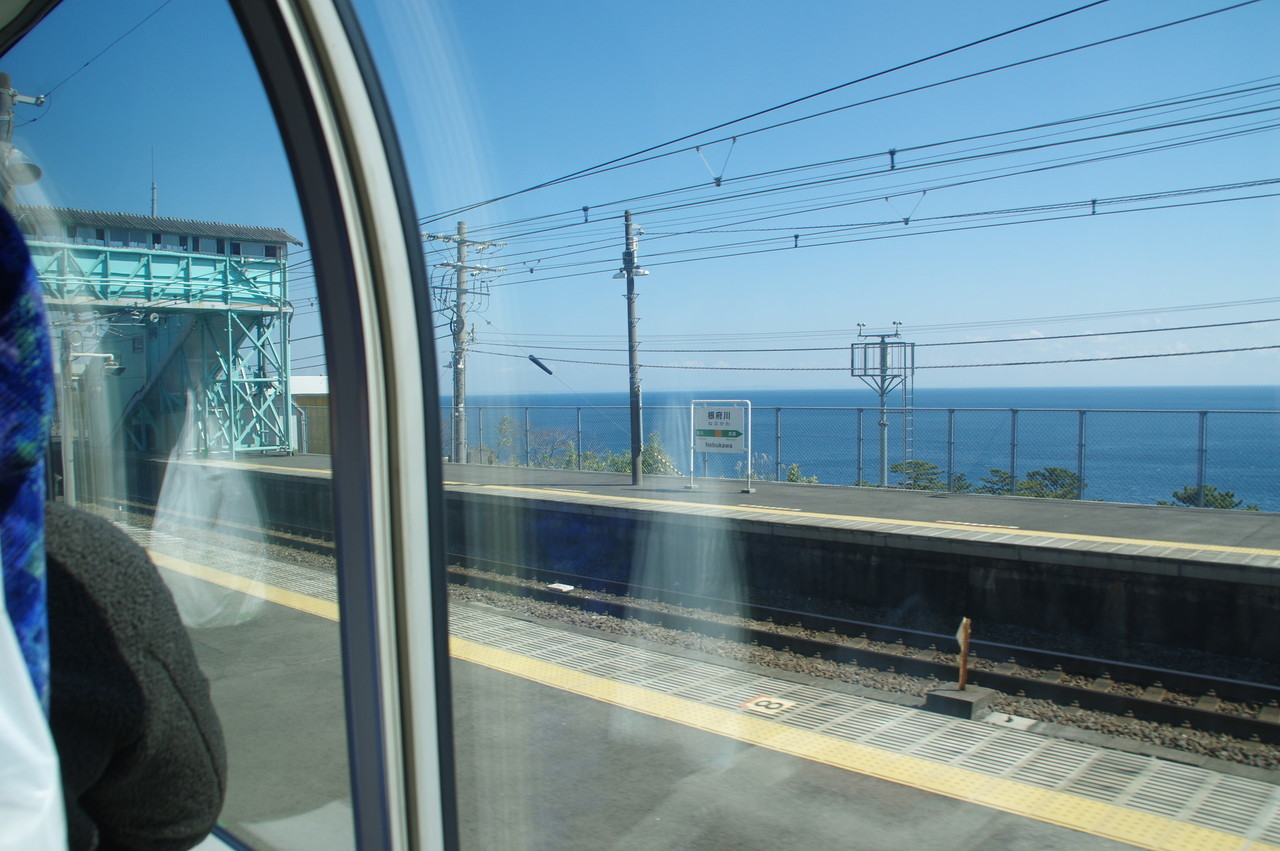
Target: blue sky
(494, 97)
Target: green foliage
(1213, 498)
(999, 482)
(654, 459)
(1049, 483)
(793, 475)
(919, 475)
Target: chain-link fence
(1139, 456)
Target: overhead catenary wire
(700, 367)
(654, 260)
(638, 156)
(865, 78)
(1036, 339)
(1173, 104)
(876, 194)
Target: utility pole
(13, 172)
(461, 332)
(631, 271)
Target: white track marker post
(962, 636)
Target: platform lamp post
(631, 271)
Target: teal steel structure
(181, 327)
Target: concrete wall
(1224, 609)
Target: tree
(654, 459)
(793, 475)
(1213, 498)
(1050, 483)
(999, 482)
(919, 475)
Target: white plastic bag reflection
(199, 504)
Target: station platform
(569, 739)
(1245, 539)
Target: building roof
(128, 221)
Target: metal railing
(1132, 455)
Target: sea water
(1132, 444)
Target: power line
(102, 52)
(918, 345)
(630, 159)
(918, 366)
(868, 196)
(896, 234)
(1222, 93)
(603, 166)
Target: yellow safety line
(1144, 830)
(920, 524)
(252, 587)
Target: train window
(176, 375)
(775, 344)
(680, 427)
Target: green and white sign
(719, 429)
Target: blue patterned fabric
(26, 408)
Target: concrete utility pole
(13, 172)
(631, 271)
(461, 332)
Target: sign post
(962, 636)
(720, 425)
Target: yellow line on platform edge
(252, 587)
(1144, 830)
(922, 524)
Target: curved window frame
(371, 281)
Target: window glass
(180, 419)
(873, 294)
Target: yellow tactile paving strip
(1074, 812)
(1143, 830)
(252, 587)
(974, 530)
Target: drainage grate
(906, 732)
(1232, 804)
(818, 715)
(1109, 776)
(950, 743)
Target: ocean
(1132, 444)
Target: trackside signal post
(720, 425)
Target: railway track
(1244, 710)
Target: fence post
(579, 440)
(857, 478)
(777, 444)
(1013, 448)
(527, 458)
(1080, 434)
(1201, 453)
(480, 432)
(951, 445)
